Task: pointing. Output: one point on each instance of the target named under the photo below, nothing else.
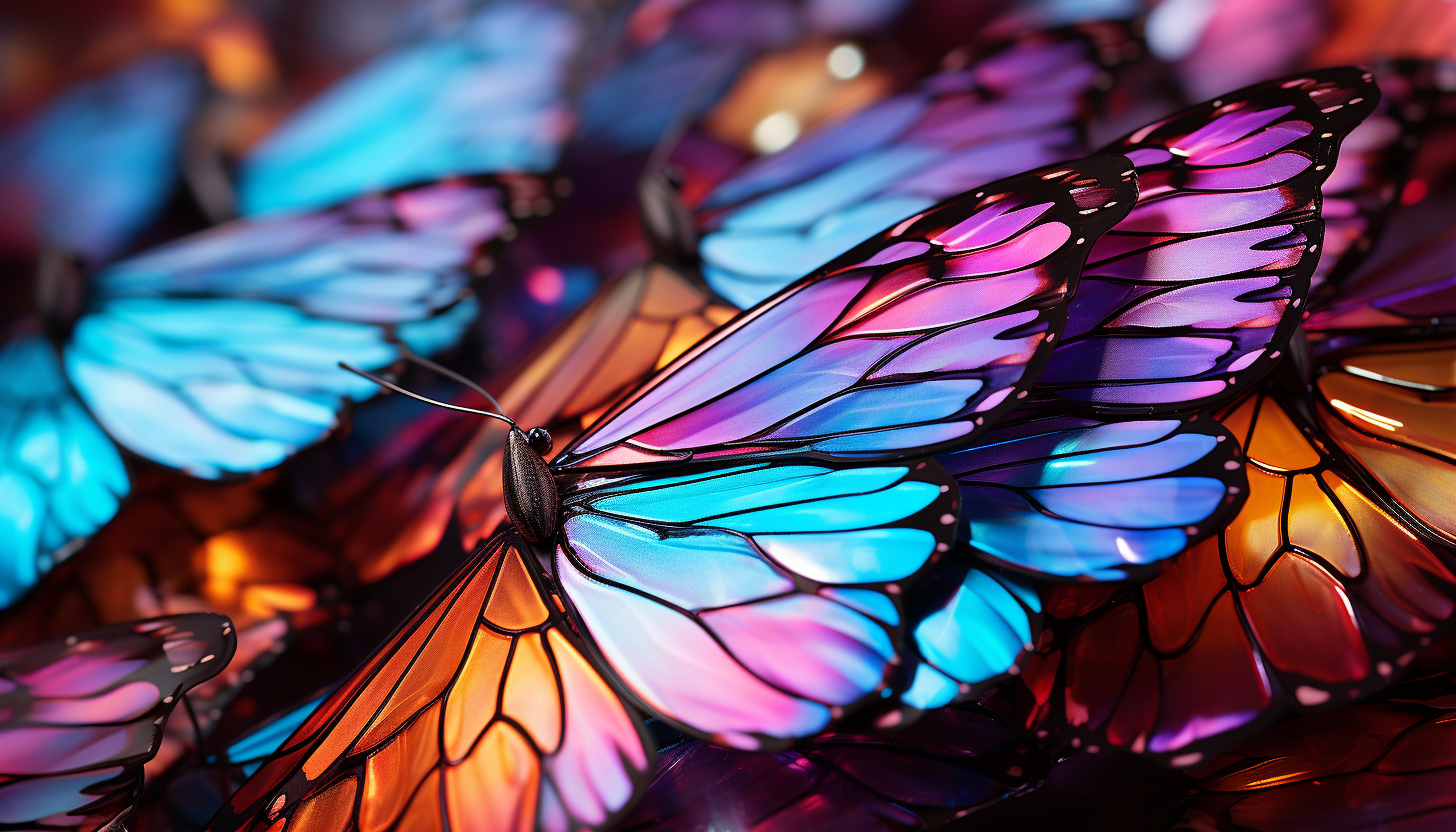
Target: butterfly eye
(539, 440)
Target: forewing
(787, 213)
(914, 340)
(1313, 595)
(1106, 499)
(486, 97)
(752, 604)
(61, 478)
(1194, 295)
(84, 712)
(480, 713)
(100, 161)
(219, 353)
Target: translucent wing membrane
(61, 478)
(99, 163)
(785, 214)
(1194, 295)
(1067, 496)
(953, 310)
(479, 714)
(84, 712)
(945, 766)
(1316, 593)
(219, 353)
(394, 508)
(752, 604)
(1376, 765)
(485, 98)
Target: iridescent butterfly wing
(787, 213)
(99, 162)
(1194, 296)
(1383, 764)
(84, 712)
(682, 579)
(1317, 592)
(487, 96)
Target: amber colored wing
(1316, 593)
(1386, 764)
(479, 714)
(394, 508)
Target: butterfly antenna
(427, 400)
(410, 355)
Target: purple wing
(83, 713)
(1191, 297)
(1413, 295)
(914, 340)
(944, 766)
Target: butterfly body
(530, 489)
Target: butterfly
(769, 481)
(1381, 764)
(943, 767)
(485, 95)
(114, 139)
(83, 712)
(217, 354)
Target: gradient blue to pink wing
(787, 213)
(98, 164)
(486, 97)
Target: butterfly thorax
(530, 488)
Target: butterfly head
(530, 489)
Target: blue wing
(98, 164)
(786, 214)
(752, 604)
(485, 98)
(1070, 497)
(61, 478)
(219, 353)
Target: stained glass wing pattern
(1194, 296)
(1067, 496)
(394, 508)
(786, 214)
(486, 97)
(61, 477)
(480, 713)
(1413, 295)
(752, 604)
(1315, 594)
(1385, 764)
(219, 353)
(954, 310)
(84, 712)
(945, 766)
(99, 163)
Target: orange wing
(478, 715)
(395, 507)
(1314, 593)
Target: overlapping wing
(99, 163)
(786, 214)
(479, 714)
(219, 353)
(1195, 295)
(394, 508)
(1316, 593)
(84, 712)
(487, 97)
(61, 478)
(752, 604)
(946, 765)
(1413, 295)
(952, 311)
(1066, 496)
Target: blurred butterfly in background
(83, 713)
(764, 455)
(484, 94)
